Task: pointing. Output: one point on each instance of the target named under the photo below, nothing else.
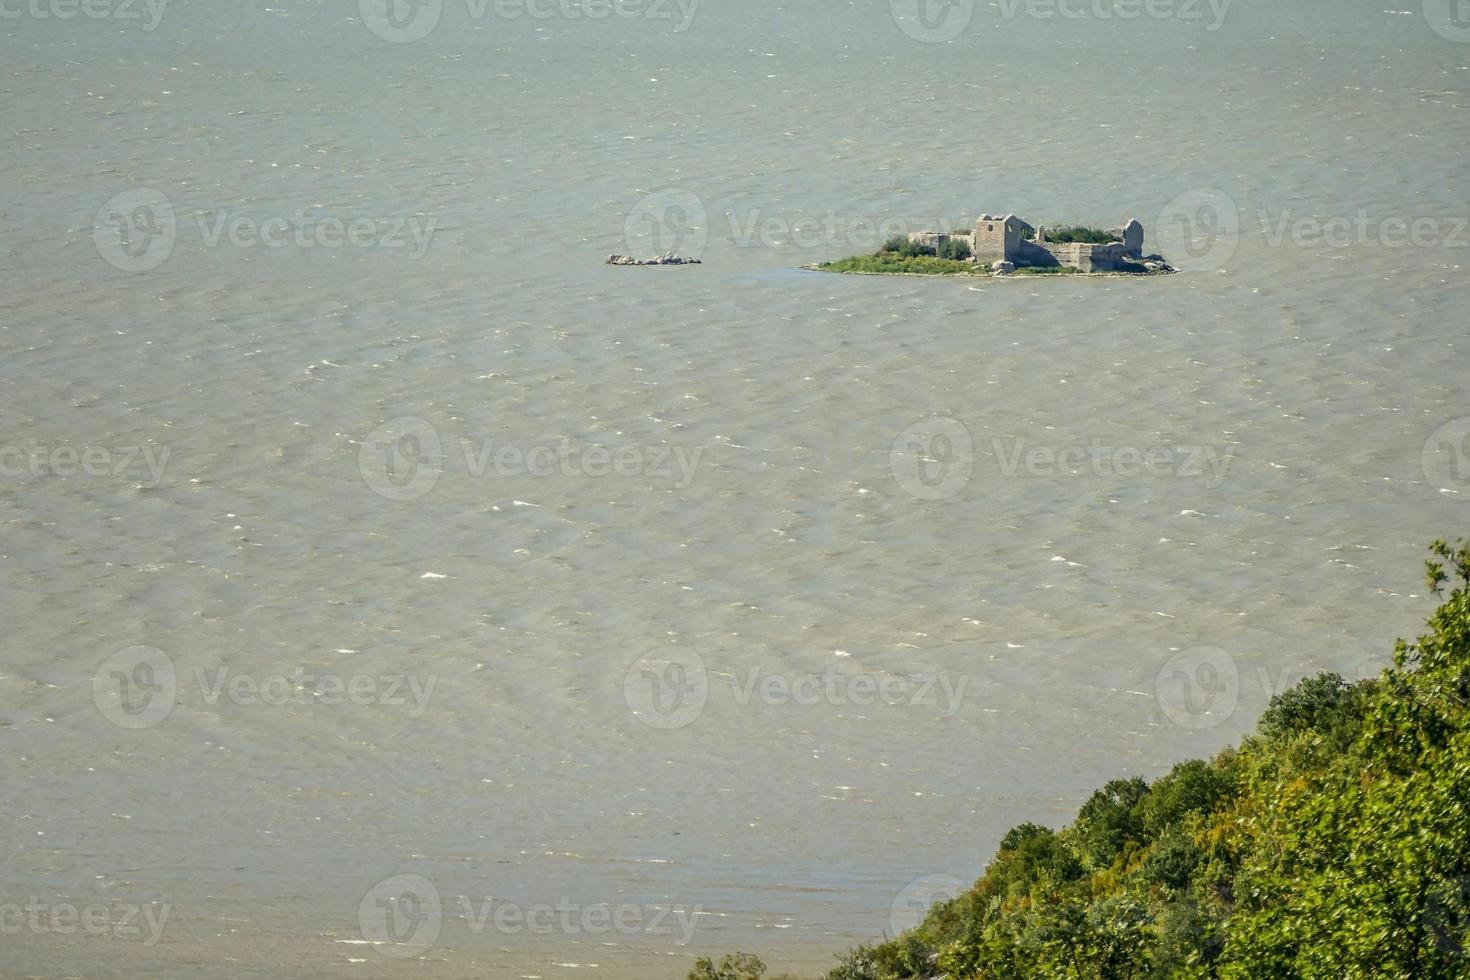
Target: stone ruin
(1006, 242)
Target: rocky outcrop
(668, 258)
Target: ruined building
(997, 240)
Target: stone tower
(998, 239)
(1133, 239)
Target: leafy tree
(954, 248)
(1171, 862)
(1192, 787)
(1109, 819)
(1325, 704)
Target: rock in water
(668, 258)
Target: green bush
(1080, 233)
(855, 964)
(737, 966)
(950, 248)
(954, 248)
(900, 245)
(906, 956)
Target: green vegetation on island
(1006, 246)
(952, 248)
(1332, 842)
(900, 256)
(894, 264)
(1080, 233)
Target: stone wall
(1087, 257)
(1030, 253)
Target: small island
(1006, 246)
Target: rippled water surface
(611, 563)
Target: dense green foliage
(739, 966)
(1333, 842)
(954, 248)
(951, 248)
(1080, 233)
(902, 246)
(889, 263)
